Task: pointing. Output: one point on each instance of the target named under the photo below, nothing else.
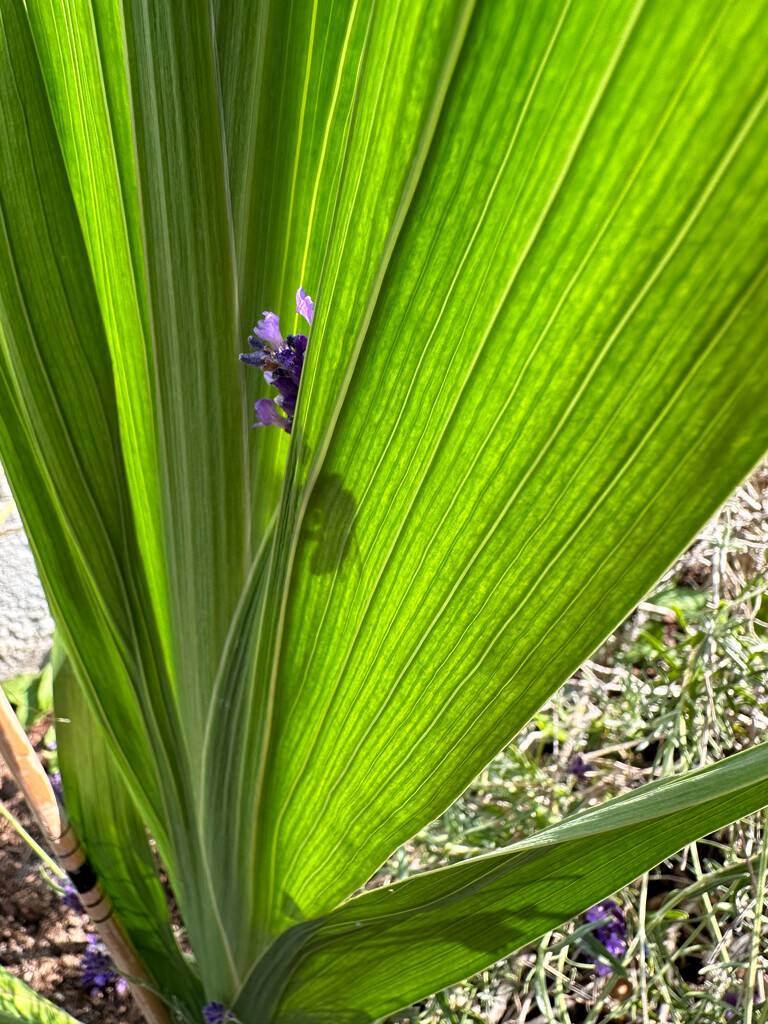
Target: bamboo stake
(32, 780)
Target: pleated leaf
(536, 236)
(525, 392)
(80, 46)
(59, 429)
(395, 75)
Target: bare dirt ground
(42, 941)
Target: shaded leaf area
(20, 1005)
(382, 950)
(559, 380)
(189, 258)
(102, 810)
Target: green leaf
(103, 813)
(537, 236)
(204, 422)
(396, 74)
(66, 468)
(18, 1003)
(80, 46)
(392, 945)
(516, 411)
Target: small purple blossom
(281, 360)
(216, 1013)
(55, 780)
(611, 933)
(268, 329)
(304, 305)
(732, 998)
(98, 969)
(578, 767)
(70, 898)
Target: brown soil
(41, 940)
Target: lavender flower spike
(268, 414)
(281, 360)
(70, 899)
(215, 1013)
(99, 970)
(268, 329)
(304, 306)
(612, 933)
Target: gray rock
(26, 627)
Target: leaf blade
(389, 947)
(20, 1005)
(448, 575)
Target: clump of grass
(683, 682)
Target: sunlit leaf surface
(537, 238)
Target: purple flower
(216, 1013)
(55, 780)
(268, 329)
(281, 360)
(578, 767)
(70, 898)
(732, 998)
(304, 305)
(98, 969)
(611, 932)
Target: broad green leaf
(289, 75)
(65, 464)
(524, 394)
(203, 416)
(393, 945)
(248, 57)
(536, 236)
(115, 840)
(20, 1005)
(80, 46)
(204, 422)
(397, 74)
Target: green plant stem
(754, 952)
(48, 860)
(643, 980)
(712, 917)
